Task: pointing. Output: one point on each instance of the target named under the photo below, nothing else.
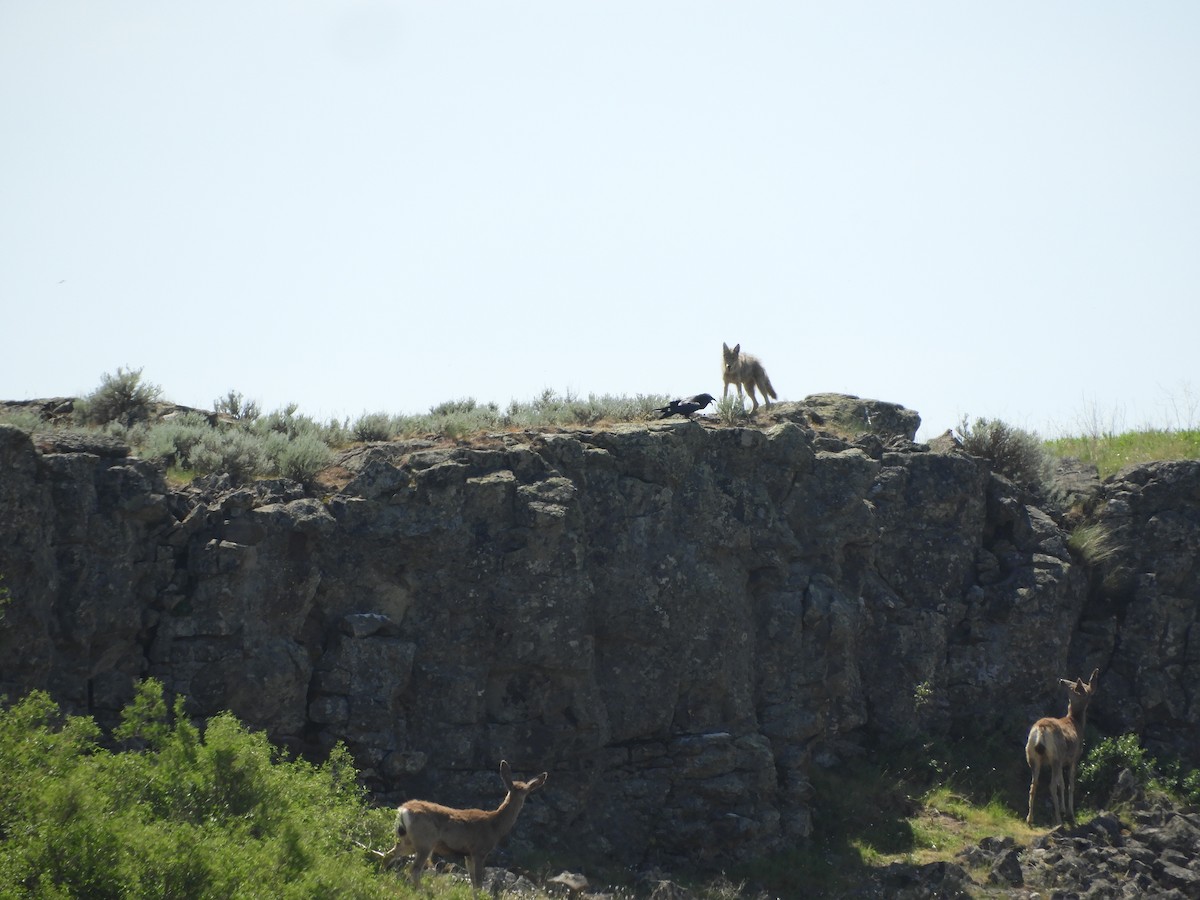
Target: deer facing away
(424, 828)
(1058, 743)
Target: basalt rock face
(675, 620)
(1145, 607)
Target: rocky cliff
(677, 620)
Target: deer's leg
(419, 865)
(1071, 796)
(1037, 770)
(475, 867)
(1056, 793)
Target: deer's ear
(506, 773)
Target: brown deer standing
(1058, 743)
(424, 828)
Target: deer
(424, 828)
(1058, 743)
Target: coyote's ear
(737, 348)
(724, 346)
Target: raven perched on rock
(686, 408)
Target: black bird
(686, 408)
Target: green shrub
(730, 411)
(454, 407)
(240, 454)
(236, 406)
(198, 812)
(122, 398)
(1016, 454)
(1102, 765)
(633, 409)
(283, 421)
(566, 409)
(301, 459)
(173, 441)
(287, 422)
(374, 427)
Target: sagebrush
(1019, 455)
(123, 398)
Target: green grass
(1093, 542)
(914, 803)
(950, 822)
(1110, 452)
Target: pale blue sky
(966, 208)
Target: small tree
(122, 398)
(235, 405)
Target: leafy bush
(454, 407)
(236, 406)
(173, 441)
(193, 812)
(288, 423)
(122, 398)
(283, 421)
(241, 454)
(567, 409)
(1016, 454)
(303, 458)
(1102, 766)
(373, 427)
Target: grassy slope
(1112, 452)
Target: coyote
(743, 369)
